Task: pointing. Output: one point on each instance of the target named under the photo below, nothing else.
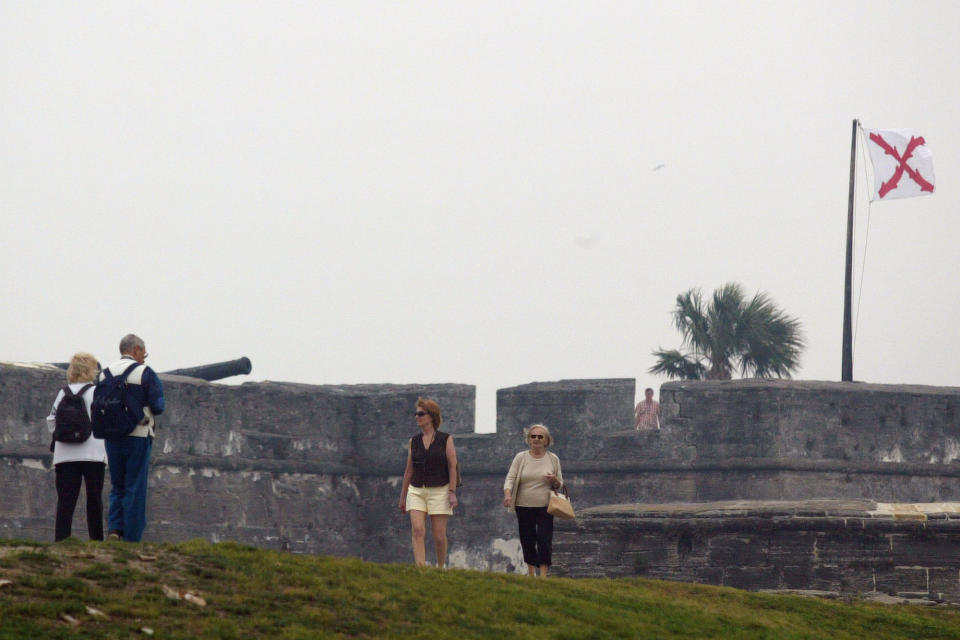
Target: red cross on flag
(902, 164)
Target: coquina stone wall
(317, 469)
(854, 547)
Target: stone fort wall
(317, 469)
(845, 546)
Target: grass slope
(252, 593)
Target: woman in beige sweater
(533, 474)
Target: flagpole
(847, 373)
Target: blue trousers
(129, 462)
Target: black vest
(430, 468)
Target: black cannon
(208, 372)
(217, 370)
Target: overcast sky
(490, 193)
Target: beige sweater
(525, 479)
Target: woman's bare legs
(418, 532)
(438, 526)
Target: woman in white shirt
(533, 475)
(82, 462)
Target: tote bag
(560, 506)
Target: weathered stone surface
(769, 545)
(808, 420)
(317, 469)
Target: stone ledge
(779, 509)
(876, 598)
(907, 551)
(772, 384)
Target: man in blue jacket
(129, 457)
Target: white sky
(464, 192)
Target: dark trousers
(536, 535)
(129, 459)
(69, 477)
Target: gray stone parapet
(908, 550)
(317, 468)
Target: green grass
(252, 593)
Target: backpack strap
(107, 375)
(83, 390)
(129, 370)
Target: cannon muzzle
(217, 370)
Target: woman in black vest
(427, 487)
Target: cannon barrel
(217, 370)
(66, 365)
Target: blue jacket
(145, 386)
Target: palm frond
(690, 319)
(731, 333)
(677, 366)
(773, 340)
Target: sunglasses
(537, 436)
(420, 414)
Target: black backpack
(115, 413)
(71, 419)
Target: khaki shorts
(431, 500)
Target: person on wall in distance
(646, 417)
(533, 474)
(429, 482)
(78, 457)
(128, 438)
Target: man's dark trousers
(129, 461)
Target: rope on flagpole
(866, 237)
(863, 269)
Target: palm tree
(731, 333)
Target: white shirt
(91, 450)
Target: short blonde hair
(546, 432)
(83, 368)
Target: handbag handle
(556, 469)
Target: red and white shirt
(647, 415)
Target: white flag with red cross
(902, 164)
